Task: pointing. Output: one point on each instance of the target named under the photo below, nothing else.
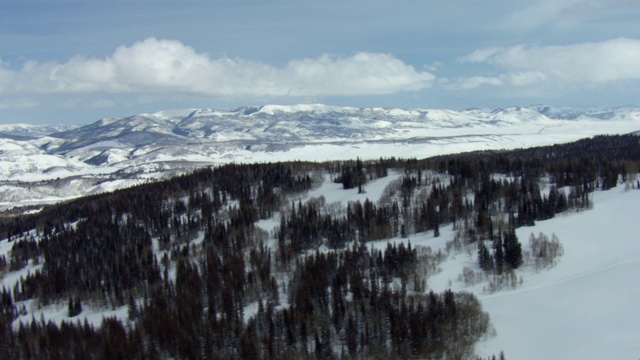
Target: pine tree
(133, 312)
(512, 250)
(74, 308)
(498, 254)
(484, 257)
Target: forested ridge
(187, 258)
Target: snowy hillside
(362, 257)
(587, 306)
(583, 308)
(41, 164)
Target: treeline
(591, 163)
(186, 258)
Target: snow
(14, 127)
(10, 146)
(172, 113)
(586, 306)
(589, 299)
(272, 133)
(318, 108)
(106, 144)
(334, 192)
(269, 225)
(58, 313)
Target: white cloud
(363, 73)
(481, 55)
(433, 67)
(169, 66)
(527, 78)
(579, 64)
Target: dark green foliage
(484, 257)
(187, 300)
(498, 254)
(74, 307)
(512, 249)
(352, 176)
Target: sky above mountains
(73, 61)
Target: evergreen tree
(498, 253)
(484, 257)
(74, 308)
(512, 249)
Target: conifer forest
(200, 279)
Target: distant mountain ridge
(47, 162)
(206, 123)
(27, 132)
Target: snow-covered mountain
(52, 163)
(26, 131)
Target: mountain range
(40, 164)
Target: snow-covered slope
(112, 153)
(586, 307)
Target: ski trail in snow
(560, 281)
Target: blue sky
(74, 61)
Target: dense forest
(187, 258)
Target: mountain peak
(309, 108)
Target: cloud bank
(156, 65)
(584, 64)
(155, 69)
